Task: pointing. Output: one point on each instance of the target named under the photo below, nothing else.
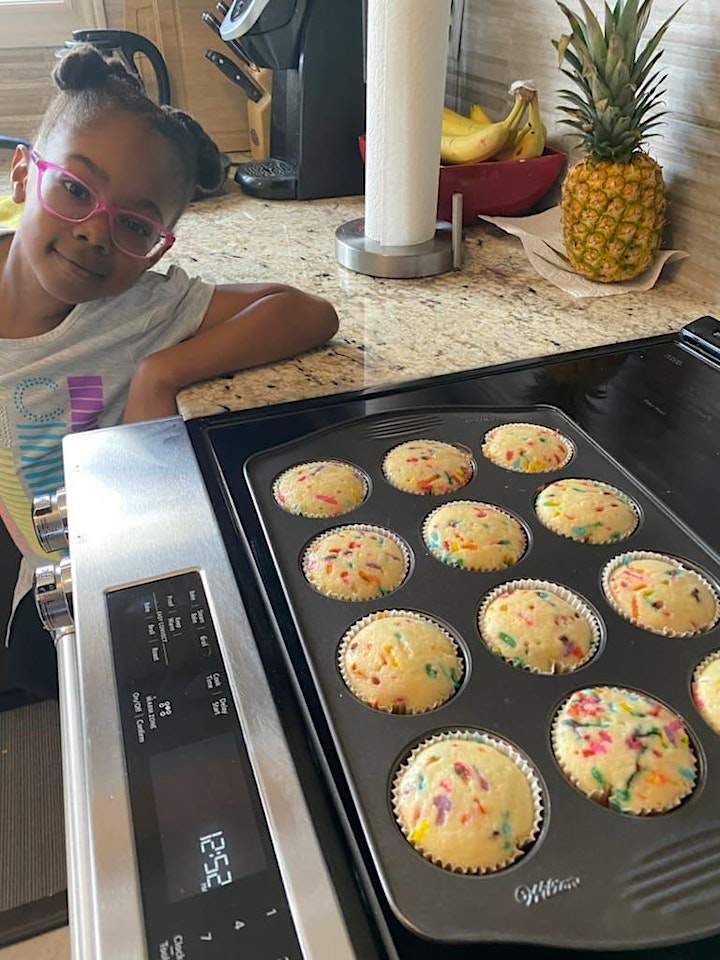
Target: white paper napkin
(541, 237)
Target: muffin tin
(593, 877)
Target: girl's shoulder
(154, 298)
(173, 282)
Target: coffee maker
(315, 49)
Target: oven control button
(49, 516)
(220, 707)
(53, 595)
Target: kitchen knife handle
(233, 45)
(233, 72)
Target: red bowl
(496, 188)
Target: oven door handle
(75, 798)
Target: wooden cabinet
(177, 29)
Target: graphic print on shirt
(42, 420)
(14, 505)
(86, 402)
(13, 496)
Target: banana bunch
(529, 140)
(477, 138)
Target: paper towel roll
(407, 46)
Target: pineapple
(613, 200)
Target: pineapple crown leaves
(613, 110)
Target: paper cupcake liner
(476, 503)
(624, 558)
(576, 601)
(360, 528)
(601, 796)
(627, 500)
(525, 767)
(421, 493)
(713, 723)
(535, 426)
(356, 627)
(310, 463)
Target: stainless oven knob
(49, 516)
(53, 595)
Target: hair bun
(83, 67)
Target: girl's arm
(245, 325)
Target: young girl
(88, 337)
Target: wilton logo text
(530, 894)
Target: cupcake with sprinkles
(400, 661)
(356, 562)
(474, 536)
(624, 750)
(468, 802)
(527, 448)
(588, 511)
(706, 690)
(538, 626)
(428, 467)
(320, 488)
(660, 594)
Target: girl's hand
(150, 397)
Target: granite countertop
(495, 309)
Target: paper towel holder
(439, 254)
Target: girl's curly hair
(90, 84)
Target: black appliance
(212, 749)
(129, 47)
(315, 49)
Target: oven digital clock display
(208, 831)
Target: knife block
(259, 115)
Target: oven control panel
(210, 883)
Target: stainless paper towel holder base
(439, 254)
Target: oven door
(188, 830)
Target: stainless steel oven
(227, 797)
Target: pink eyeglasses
(69, 198)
